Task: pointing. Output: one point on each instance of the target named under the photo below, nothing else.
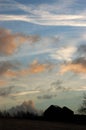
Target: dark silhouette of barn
(58, 113)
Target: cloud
(81, 88)
(24, 93)
(15, 69)
(80, 60)
(36, 67)
(44, 7)
(54, 88)
(26, 50)
(10, 73)
(56, 14)
(83, 76)
(9, 42)
(64, 53)
(3, 82)
(57, 83)
(26, 106)
(59, 86)
(81, 50)
(8, 68)
(5, 66)
(47, 96)
(5, 92)
(57, 20)
(78, 63)
(77, 66)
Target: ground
(16, 124)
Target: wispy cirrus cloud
(57, 20)
(45, 14)
(24, 93)
(44, 8)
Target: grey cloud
(80, 55)
(81, 50)
(80, 60)
(59, 86)
(47, 96)
(57, 83)
(6, 67)
(4, 92)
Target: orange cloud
(76, 68)
(2, 82)
(10, 73)
(10, 42)
(78, 65)
(34, 68)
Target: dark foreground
(18, 124)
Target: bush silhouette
(82, 109)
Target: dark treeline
(20, 115)
(52, 113)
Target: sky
(42, 52)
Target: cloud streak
(45, 14)
(58, 20)
(24, 93)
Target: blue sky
(42, 52)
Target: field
(15, 124)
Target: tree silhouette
(82, 109)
